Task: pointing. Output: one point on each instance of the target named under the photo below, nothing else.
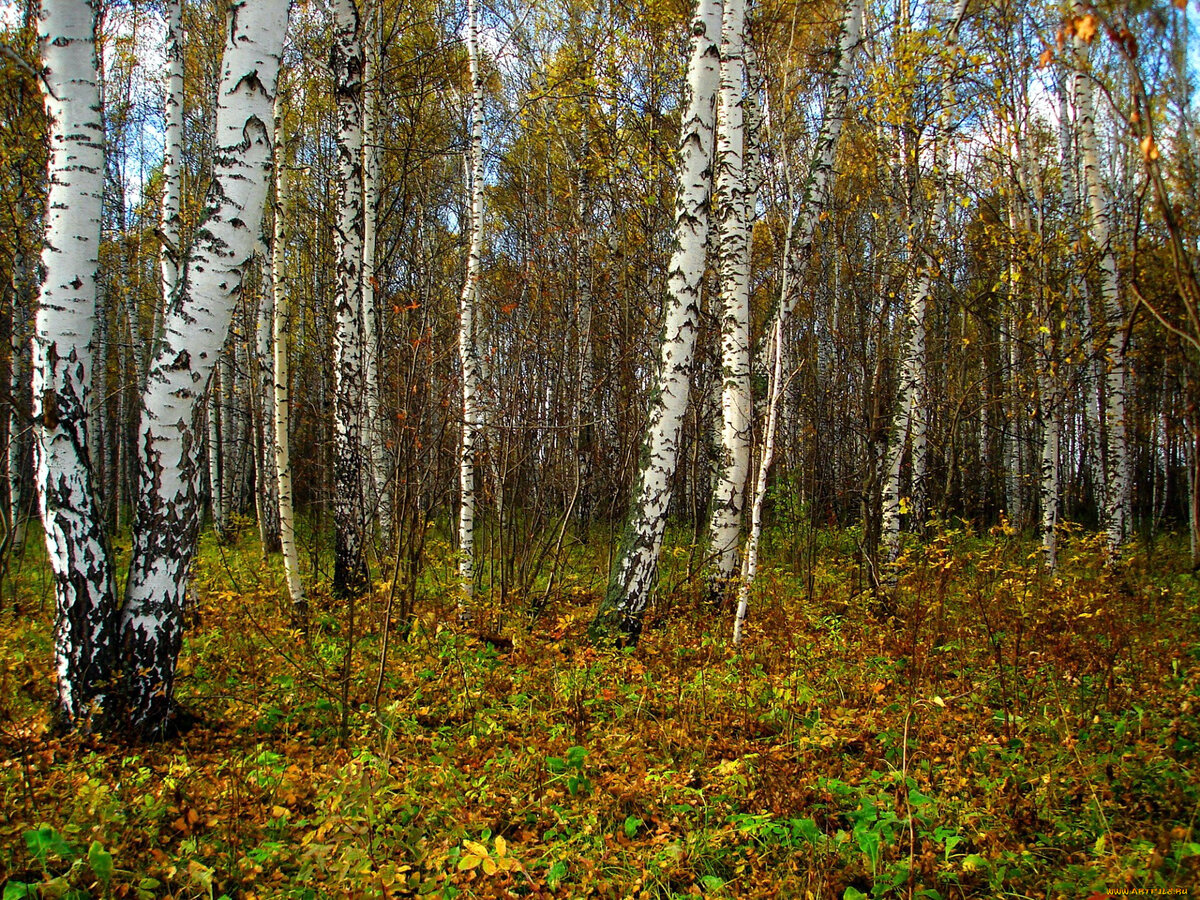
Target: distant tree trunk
(170, 235)
(216, 484)
(194, 328)
(734, 212)
(1117, 518)
(24, 297)
(911, 421)
(468, 348)
(636, 563)
(265, 495)
(76, 544)
(347, 62)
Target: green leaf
(555, 764)
(555, 876)
(576, 756)
(19, 890)
(101, 862)
(632, 824)
(45, 841)
(853, 893)
(807, 831)
(712, 883)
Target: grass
(999, 733)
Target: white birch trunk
(216, 486)
(468, 348)
(376, 486)
(194, 330)
(637, 562)
(346, 63)
(1117, 517)
(266, 496)
(84, 586)
(282, 323)
(733, 210)
(172, 151)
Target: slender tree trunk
(24, 297)
(733, 210)
(911, 421)
(637, 561)
(266, 488)
(347, 62)
(194, 329)
(376, 487)
(817, 190)
(468, 348)
(282, 322)
(170, 235)
(76, 544)
(1117, 518)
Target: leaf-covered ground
(985, 731)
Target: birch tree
(1116, 459)
(76, 546)
(166, 518)
(346, 61)
(281, 332)
(636, 563)
(734, 212)
(169, 229)
(468, 349)
(910, 423)
(817, 190)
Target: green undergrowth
(981, 729)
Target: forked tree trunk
(636, 564)
(734, 212)
(76, 546)
(194, 329)
(1117, 517)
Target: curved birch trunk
(733, 210)
(1117, 517)
(346, 61)
(194, 330)
(281, 327)
(637, 562)
(468, 349)
(76, 546)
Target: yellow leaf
(501, 846)
(489, 866)
(1086, 28)
(469, 861)
(476, 848)
(279, 811)
(938, 701)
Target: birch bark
(194, 329)
(76, 546)
(468, 348)
(733, 211)
(346, 61)
(172, 149)
(281, 326)
(636, 565)
(1117, 517)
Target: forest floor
(990, 731)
